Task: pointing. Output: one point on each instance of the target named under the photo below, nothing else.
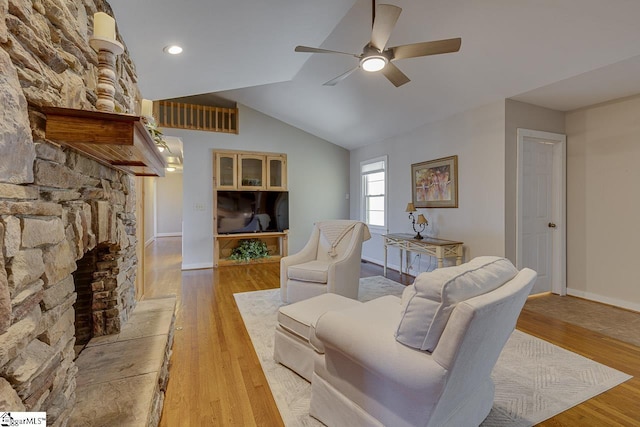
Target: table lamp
(421, 221)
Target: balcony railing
(195, 117)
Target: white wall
(169, 205)
(318, 176)
(478, 138)
(603, 202)
(149, 209)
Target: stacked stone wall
(55, 204)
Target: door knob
(552, 225)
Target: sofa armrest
(365, 335)
(307, 253)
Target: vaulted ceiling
(559, 54)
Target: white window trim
(376, 228)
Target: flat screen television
(252, 211)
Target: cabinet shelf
(120, 141)
(277, 242)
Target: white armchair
(329, 262)
(425, 359)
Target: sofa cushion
(312, 271)
(300, 318)
(428, 303)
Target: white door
(541, 207)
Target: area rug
(534, 379)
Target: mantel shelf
(117, 140)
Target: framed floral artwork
(434, 184)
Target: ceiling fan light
(373, 63)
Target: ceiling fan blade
(308, 49)
(386, 18)
(435, 47)
(340, 78)
(395, 76)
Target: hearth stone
(123, 377)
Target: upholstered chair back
(337, 237)
(329, 262)
(473, 339)
(429, 301)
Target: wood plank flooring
(216, 378)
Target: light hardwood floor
(216, 378)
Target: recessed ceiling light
(171, 169)
(173, 49)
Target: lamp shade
(422, 220)
(410, 207)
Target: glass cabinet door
(276, 173)
(226, 166)
(251, 172)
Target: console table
(438, 248)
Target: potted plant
(249, 250)
(156, 134)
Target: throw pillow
(428, 303)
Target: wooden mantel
(117, 140)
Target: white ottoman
(293, 345)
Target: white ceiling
(562, 54)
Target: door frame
(559, 204)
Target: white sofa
(425, 359)
(329, 262)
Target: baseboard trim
(197, 266)
(176, 234)
(150, 241)
(381, 263)
(372, 261)
(414, 272)
(605, 300)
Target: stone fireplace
(100, 309)
(56, 205)
(44, 233)
(82, 279)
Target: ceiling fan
(377, 57)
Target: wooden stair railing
(178, 115)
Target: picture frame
(434, 183)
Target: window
(374, 191)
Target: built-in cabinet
(247, 171)
(226, 168)
(277, 172)
(251, 171)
